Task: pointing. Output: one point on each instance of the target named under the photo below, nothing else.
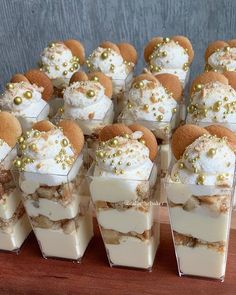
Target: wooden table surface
(29, 273)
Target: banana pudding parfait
(154, 102)
(54, 189)
(122, 184)
(59, 61)
(14, 223)
(169, 55)
(116, 61)
(27, 96)
(87, 101)
(199, 191)
(220, 56)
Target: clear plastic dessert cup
(14, 223)
(58, 209)
(27, 122)
(200, 217)
(128, 217)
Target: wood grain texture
(29, 274)
(26, 26)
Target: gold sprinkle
(104, 55)
(9, 86)
(90, 93)
(17, 100)
(28, 94)
(200, 179)
(211, 152)
(64, 142)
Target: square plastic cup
(200, 217)
(128, 217)
(27, 122)
(58, 209)
(14, 223)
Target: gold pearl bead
(126, 135)
(90, 93)
(227, 49)
(65, 73)
(17, 100)
(21, 139)
(9, 86)
(139, 84)
(95, 79)
(113, 142)
(174, 110)
(128, 164)
(211, 152)
(75, 65)
(198, 87)
(36, 133)
(64, 142)
(129, 105)
(164, 53)
(200, 179)
(100, 155)
(33, 147)
(112, 67)
(22, 146)
(104, 55)
(166, 39)
(51, 45)
(61, 110)
(142, 141)
(72, 69)
(65, 64)
(119, 153)
(145, 107)
(181, 165)
(220, 177)
(28, 94)
(17, 163)
(160, 118)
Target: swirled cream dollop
(59, 64)
(4, 149)
(112, 64)
(215, 102)
(86, 100)
(207, 161)
(223, 59)
(48, 159)
(23, 100)
(152, 102)
(169, 57)
(124, 157)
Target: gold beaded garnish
(90, 93)
(113, 142)
(139, 85)
(28, 94)
(166, 39)
(104, 55)
(198, 87)
(65, 73)
(200, 179)
(9, 86)
(64, 142)
(160, 117)
(17, 100)
(181, 165)
(33, 147)
(211, 153)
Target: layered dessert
(59, 61)
(213, 100)
(199, 192)
(54, 191)
(154, 102)
(88, 102)
(122, 184)
(14, 224)
(220, 56)
(116, 61)
(169, 55)
(26, 97)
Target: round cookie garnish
(186, 44)
(44, 125)
(221, 131)
(128, 52)
(41, 80)
(17, 78)
(148, 50)
(78, 77)
(172, 84)
(207, 77)
(149, 139)
(231, 76)
(184, 136)
(142, 77)
(104, 80)
(108, 44)
(76, 48)
(10, 128)
(212, 47)
(111, 131)
(232, 42)
(73, 132)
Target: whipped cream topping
(169, 56)
(113, 66)
(215, 102)
(59, 64)
(207, 161)
(4, 149)
(23, 100)
(80, 104)
(223, 60)
(124, 157)
(151, 102)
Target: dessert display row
(69, 137)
